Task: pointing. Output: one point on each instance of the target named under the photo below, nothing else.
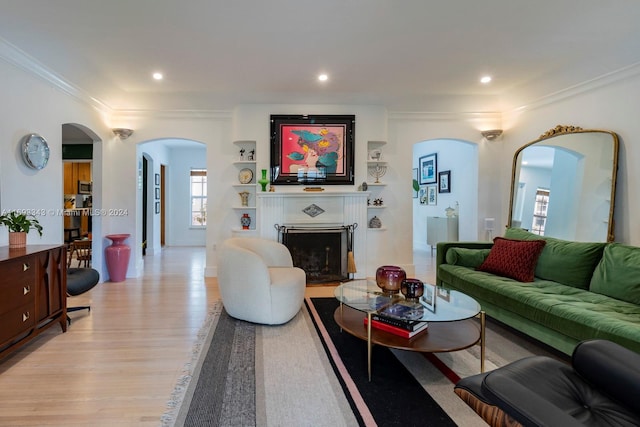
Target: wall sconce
(122, 133)
(491, 134)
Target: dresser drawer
(18, 283)
(16, 321)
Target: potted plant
(19, 225)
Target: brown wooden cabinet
(33, 293)
(74, 172)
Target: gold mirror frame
(546, 137)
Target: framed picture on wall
(422, 195)
(157, 193)
(444, 182)
(428, 169)
(157, 207)
(157, 179)
(432, 195)
(316, 148)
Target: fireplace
(322, 252)
(328, 212)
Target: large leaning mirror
(563, 184)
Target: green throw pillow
(618, 273)
(466, 257)
(563, 261)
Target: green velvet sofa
(580, 290)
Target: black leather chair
(601, 387)
(79, 281)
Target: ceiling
(409, 55)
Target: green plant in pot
(19, 225)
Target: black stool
(79, 281)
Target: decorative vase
(245, 221)
(117, 257)
(263, 181)
(389, 278)
(412, 289)
(17, 239)
(375, 222)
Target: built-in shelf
(376, 207)
(377, 229)
(376, 184)
(246, 161)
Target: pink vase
(117, 257)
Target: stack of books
(399, 319)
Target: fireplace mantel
(326, 208)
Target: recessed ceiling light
(323, 77)
(157, 76)
(485, 79)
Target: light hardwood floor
(118, 365)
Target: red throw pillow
(515, 259)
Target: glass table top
(436, 305)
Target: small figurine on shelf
(242, 153)
(378, 202)
(251, 156)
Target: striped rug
(308, 373)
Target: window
(540, 211)
(198, 197)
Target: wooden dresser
(33, 293)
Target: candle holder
(377, 171)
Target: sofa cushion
(562, 261)
(618, 273)
(515, 259)
(467, 257)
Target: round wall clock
(35, 151)
(245, 176)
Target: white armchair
(258, 282)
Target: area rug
(309, 373)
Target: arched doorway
(82, 147)
(457, 162)
(164, 200)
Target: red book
(396, 330)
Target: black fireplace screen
(322, 253)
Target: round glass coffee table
(450, 315)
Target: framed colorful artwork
(428, 169)
(312, 149)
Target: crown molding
(172, 114)
(436, 116)
(20, 59)
(629, 71)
